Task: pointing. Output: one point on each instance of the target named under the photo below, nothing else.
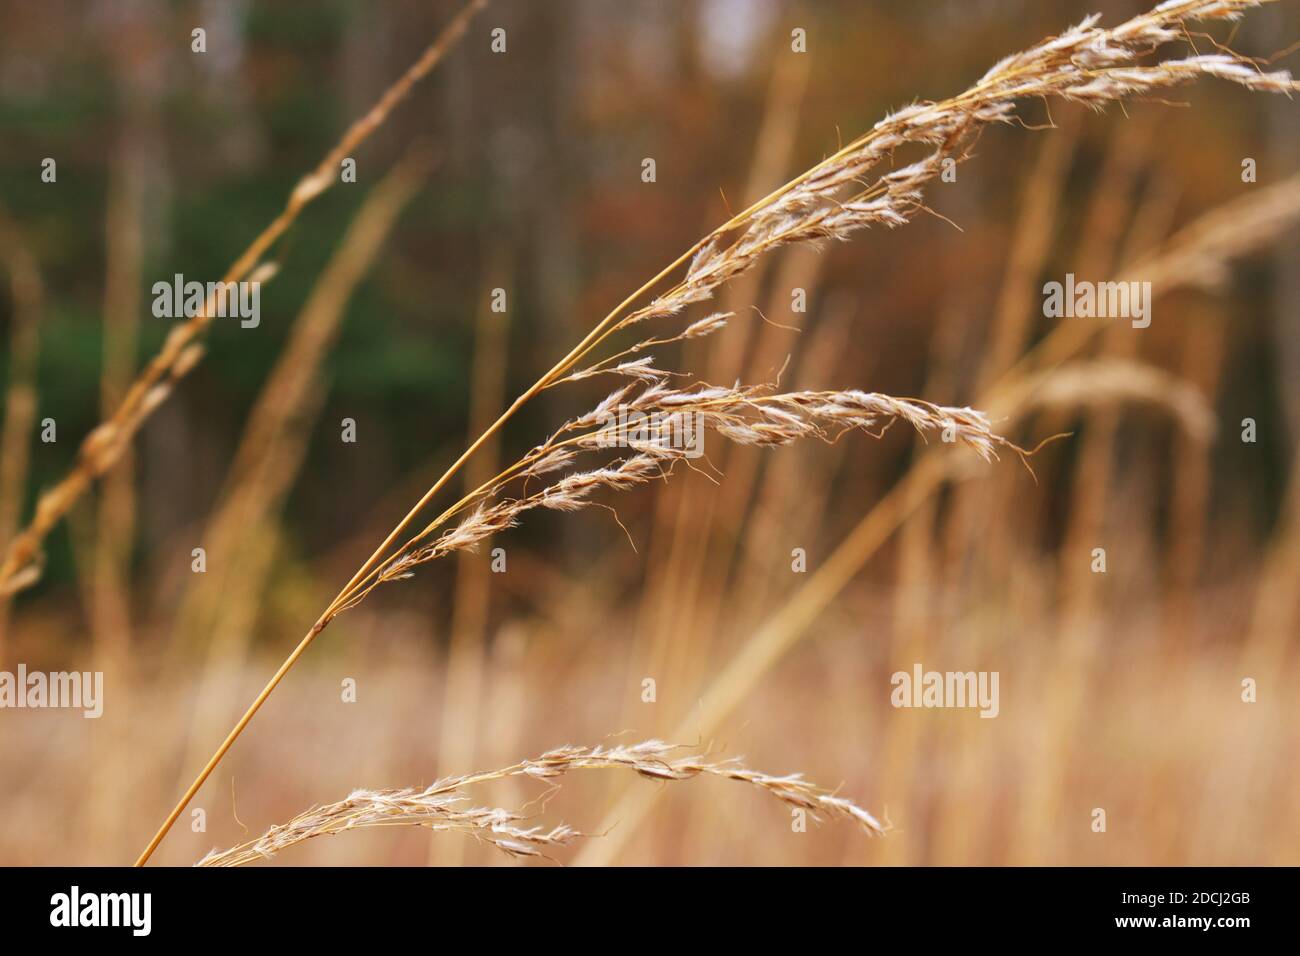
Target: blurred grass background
(1121, 693)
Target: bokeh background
(1120, 691)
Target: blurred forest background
(1120, 691)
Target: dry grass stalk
(835, 198)
(114, 517)
(465, 670)
(1031, 241)
(749, 416)
(1107, 382)
(28, 293)
(683, 522)
(219, 608)
(1219, 237)
(1201, 254)
(115, 520)
(980, 517)
(274, 440)
(1202, 363)
(1202, 251)
(181, 350)
(442, 806)
(1087, 64)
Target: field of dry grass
(538, 639)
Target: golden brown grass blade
(28, 294)
(220, 606)
(310, 187)
(102, 448)
(837, 197)
(441, 806)
(1211, 242)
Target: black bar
(532, 904)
